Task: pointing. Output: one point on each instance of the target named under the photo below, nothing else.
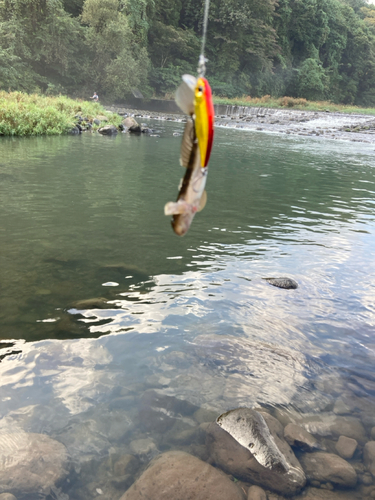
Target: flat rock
(327, 467)
(108, 130)
(158, 412)
(346, 447)
(30, 463)
(94, 303)
(295, 435)
(283, 475)
(286, 283)
(178, 475)
(369, 456)
(7, 496)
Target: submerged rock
(346, 447)
(158, 412)
(249, 428)
(297, 436)
(323, 494)
(256, 493)
(369, 456)
(30, 464)
(178, 475)
(286, 283)
(327, 467)
(281, 471)
(330, 425)
(94, 303)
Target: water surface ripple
(100, 303)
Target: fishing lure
(194, 98)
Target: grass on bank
(32, 114)
(292, 102)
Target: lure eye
(200, 89)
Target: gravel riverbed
(322, 124)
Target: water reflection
(136, 335)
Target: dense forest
(316, 49)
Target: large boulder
(328, 467)
(272, 464)
(131, 124)
(178, 475)
(30, 464)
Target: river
(101, 303)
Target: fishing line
(202, 59)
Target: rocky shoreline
(244, 454)
(327, 125)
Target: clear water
(192, 318)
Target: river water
(101, 304)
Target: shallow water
(192, 318)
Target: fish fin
(187, 143)
(178, 207)
(184, 96)
(190, 80)
(203, 201)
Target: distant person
(95, 97)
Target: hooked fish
(194, 97)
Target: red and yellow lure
(194, 97)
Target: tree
(117, 63)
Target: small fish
(194, 97)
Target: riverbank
(343, 126)
(32, 114)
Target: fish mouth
(181, 223)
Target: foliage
(312, 49)
(32, 114)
